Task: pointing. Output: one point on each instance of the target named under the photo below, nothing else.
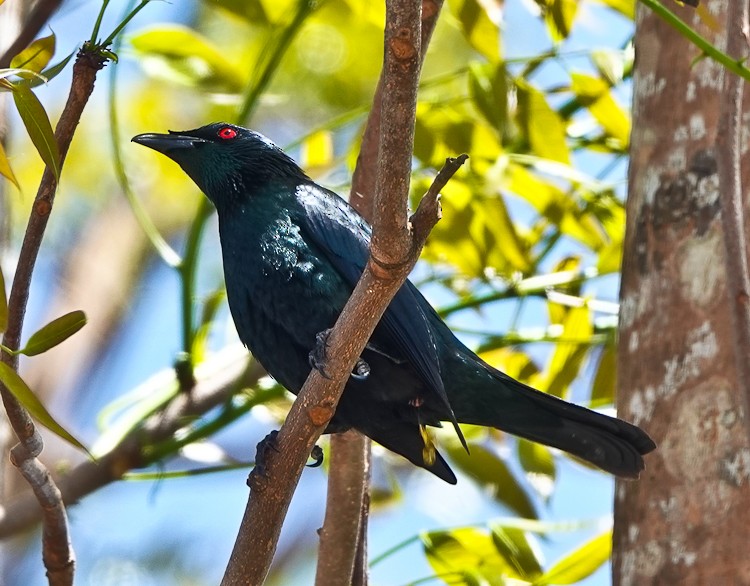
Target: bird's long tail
(496, 400)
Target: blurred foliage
(528, 217)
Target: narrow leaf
(54, 333)
(539, 465)
(580, 563)
(50, 73)
(543, 126)
(518, 551)
(37, 55)
(20, 390)
(5, 169)
(37, 124)
(3, 303)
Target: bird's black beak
(165, 143)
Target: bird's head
(225, 161)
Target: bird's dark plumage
(293, 252)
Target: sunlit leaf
(317, 150)
(514, 546)
(468, 553)
(210, 307)
(3, 303)
(250, 10)
(539, 465)
(610, 64)
(512, 362)
(569, 354)
(580, 563)
(54, 333)
(595, 94)
(20, 390)
(624, 7)
(180, 54)
(5, 169)
(560, 15)
(489, 90)
(480, 24)
(605, 381)
(543, 126)
(50, 73)
(492, 473)
(38, 126)
(36, 56)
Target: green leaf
(5, 169)
(55, 332)
(210, 307)
(559, 16)
(493, 474)
(624, 7)
(539, 465)
(605, 381)
(50, 73)
(468, 553)
(595, 94)
(544, 127)
(480, 24)
(514, 546)
(580, 563)
(36, 56)
(488, 88)
(610, 64)
(37, 125)
(3, 303)
(180, 54)
(20, 390)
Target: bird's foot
(257, 479)
(361, 370)
(318, 358)
(319, 354)
(317, 456)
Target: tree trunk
(687, 521)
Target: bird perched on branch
(293, 252)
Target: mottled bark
(687, 521)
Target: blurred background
(524, 267)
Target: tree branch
(729, 159)
(217, 382)
(344, 531)
(38, 17)
(393, 253)
(57, 552)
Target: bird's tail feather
(609, 443)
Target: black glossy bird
(293, 252)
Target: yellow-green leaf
(5, 169)
(317, 150)
(480, 24)
(38, 126)
(543, 126)
(539, 465)
(580, 563)
(36, 56)
(469, 553)
(3, 303)
(182, 55)
(21, 391)
(605, 381)
(50, 73)
(514, 546)
(559, 16)
(55, 332)
(624, 7)
(595, 94)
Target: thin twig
(729, 159)
(57, 552)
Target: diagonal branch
(342, 538)
(393, 253)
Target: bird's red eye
(227, 133)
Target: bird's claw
(318, 358)
(319, 354)
(257, 477)
(361, 370)
(317, 456)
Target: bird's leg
(319, 356)
(317, 456)
(257, 478)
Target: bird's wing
(344, 237)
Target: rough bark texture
(687, 521)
